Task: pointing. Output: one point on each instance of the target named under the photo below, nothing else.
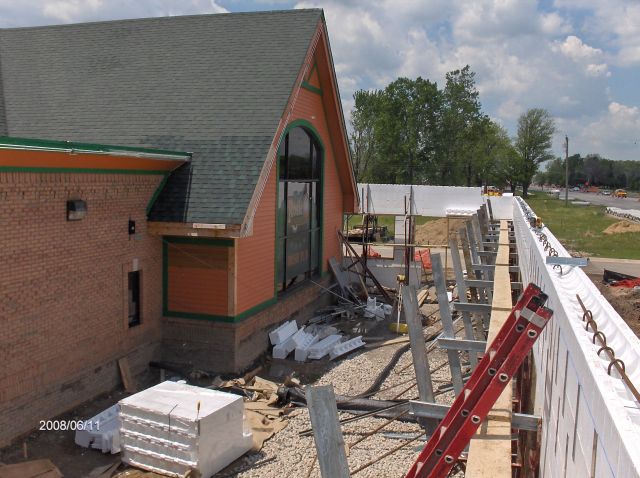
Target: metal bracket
(471, 307)
(567, 261)
(462, 344)
(520, 421)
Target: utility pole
(566, 171)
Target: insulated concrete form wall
(591, 422)
(434, 201)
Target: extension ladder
(498, 365)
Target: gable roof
(214, 85)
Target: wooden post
(332, 456)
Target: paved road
(593, 198)
(601, 199)
(597, 265)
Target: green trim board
(51, 145)
(310, 87)
(156, 193)
(20, 169)
(222, 318)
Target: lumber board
(125, 372)
(490, 449)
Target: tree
(363, 119)
(460, 129)
(492, 152)
(533, 143)
(394, 130)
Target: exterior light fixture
(76, 209)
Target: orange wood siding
(198, 278)
(255, 255)
(313, 79)
(309, 107)
(79, 160)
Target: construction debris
(100, 432)
(30, 469)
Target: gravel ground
(289, 455)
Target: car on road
(575, 188)
(620, 193)
(605, 192)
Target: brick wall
(63, 300)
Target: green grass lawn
(580, 228)
(388, 221)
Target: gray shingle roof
(214, 85)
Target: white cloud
(583, 54)
(554, 24)
(575, 49)
(523, 57)
(45, 12)
(67, 11)
(615, 133)
(615, 22)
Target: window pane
(298, 208)
(297, 254)
(299, 154)
(316, 163)
(134, 297)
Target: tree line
(414, 132)
(593, 170)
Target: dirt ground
(76, 462)
(435, 232)
(72, 460)
(622, 227)
(625, 301)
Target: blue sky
(580, 59)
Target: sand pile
(621, 227)
(435, 232)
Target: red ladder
(498, 365)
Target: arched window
(299, 208)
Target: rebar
(587, 316)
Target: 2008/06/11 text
(69, 425)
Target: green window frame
(299, 208)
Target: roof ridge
(165, 18)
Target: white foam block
(172, 427)
(101, 431)
(281, 351)
(322, 348)
(346, 347)
(303, 351)
(283, 332)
